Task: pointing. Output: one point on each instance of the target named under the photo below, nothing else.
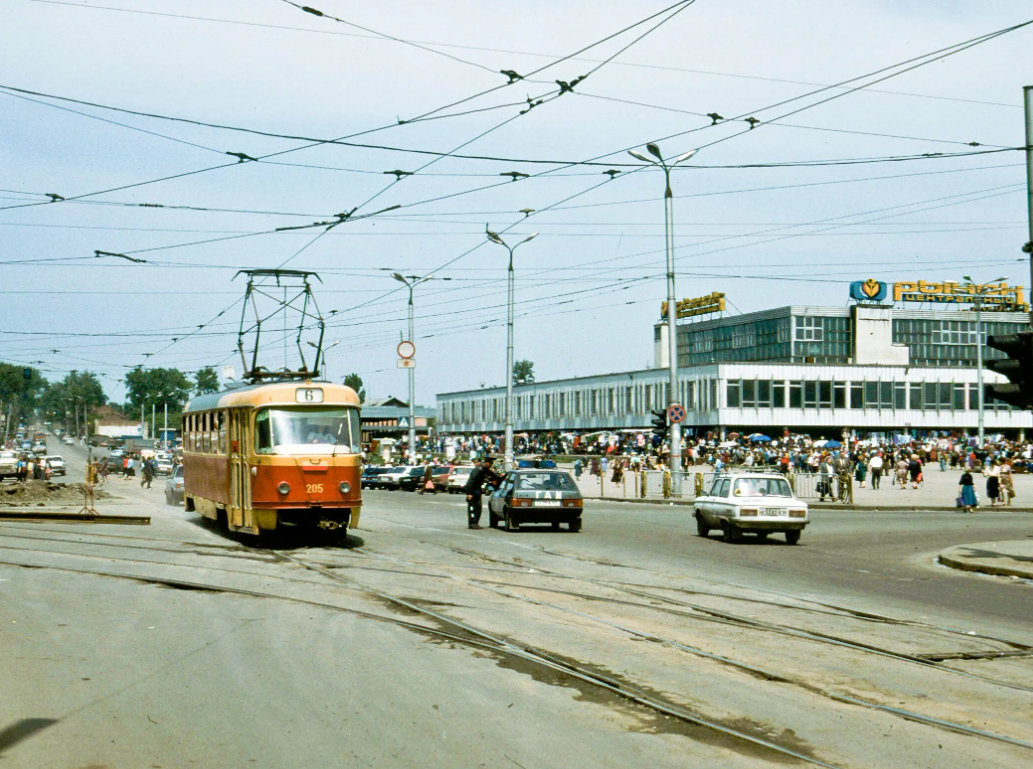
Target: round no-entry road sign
(676, 413)
(406, 349)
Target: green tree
(19, 393)
(523, 372)
(158, 387)
(354, 381)
(75, 391)
(207, 381)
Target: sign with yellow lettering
(999, 296)
(703, 305)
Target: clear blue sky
(589, 287)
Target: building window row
(825, 394)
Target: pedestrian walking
(428, 481)
(578, 467)
(843, 466)
(130, 468)
(146, 473)
(993, 481)
(967, 492)
(875, 465)
(901, 474)
(860, 470)
(1007, 483)
(474, 489)
(914, 470)
(825, 479)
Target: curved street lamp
(672, 310)
(494, 237)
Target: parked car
(371, 476)
(458, 477)
(57, 465)
(441, 474)
(116, 454)
(389, 479)
(753, 503)
(413, 479)
(68, 440)
(8, 464)
(536, 496)
(174, 487)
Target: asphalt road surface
(415, 641)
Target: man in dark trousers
(475, 488)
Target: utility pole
(411, 282)
(165, 431)
(672, 307)
(1027, 94)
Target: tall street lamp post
(411, 282)
(672, 309)
(508, 451)
(977, 290)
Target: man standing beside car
(474, 488)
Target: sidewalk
(1003, 559)
(937, 491)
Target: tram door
(240, 478)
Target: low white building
(819, 370)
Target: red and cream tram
(265, 455)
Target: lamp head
(639, 156)
(494, 237)
(653, 150)
(532, 236)
(398, 277)
(685, 156)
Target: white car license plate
(778, 512)
(548, 503)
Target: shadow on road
(284, 538)
(21, 730)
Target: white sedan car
(752, 503)
(57, 465)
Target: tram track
(752, 670)
(470, 635)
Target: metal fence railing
(689, 484)
(808, 486)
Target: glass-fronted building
(800, 334)
(868, 368)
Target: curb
(819, 506)
(979, 568)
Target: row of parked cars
(412, 477)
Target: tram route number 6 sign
(308, 395)
(676, 413)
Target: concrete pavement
(1003, 559)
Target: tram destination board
(309, 395)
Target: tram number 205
(314, 488)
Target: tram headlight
(284, 488)
(344, 486)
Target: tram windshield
(308, 431)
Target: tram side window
(222, 431)
(206, 436)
